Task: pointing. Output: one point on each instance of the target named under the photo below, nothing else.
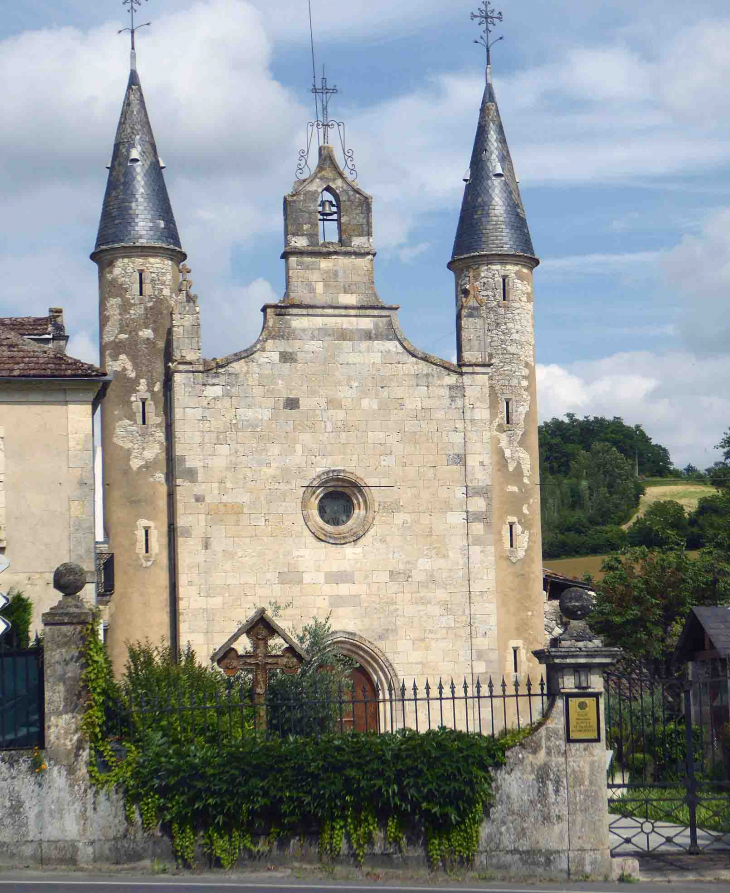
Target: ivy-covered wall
(535, 808)
(53, 818)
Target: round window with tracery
(338, 507)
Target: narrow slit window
(508, 412)
(146, 541)
(511, 534)
(143, 414)
(515, 666)
(140, 282)
(504, 288)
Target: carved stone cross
(260, 629)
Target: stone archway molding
(370, 658)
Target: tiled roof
(27, 325)
(715, 622)
(21, 358)
(492, 219)
(137, 208)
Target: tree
(560, 440)
(645, 596)
(663, 525)
(719, 473)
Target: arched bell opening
(328, 211)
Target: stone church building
(331, 467)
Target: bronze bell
(327, 208)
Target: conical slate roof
(492, 219)
(137, 208)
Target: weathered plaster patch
(513, 452)
(114, 314)
(143, 442)
(148, 546)
(502, 331)
(123, 364)
(520, 539)
(525, 509)
(147, 334)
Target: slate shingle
(137, 209)
(492, 219)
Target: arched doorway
(376, 675)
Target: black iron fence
(228, 711)
(669, 775)
(21, 699)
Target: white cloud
(228, 138)
(408, 254)
(698, 270)
(234, 320)
(83, 347)
(681, 400)
(601, 264)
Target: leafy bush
(663, 525)
(19, 614)
(181, 699)
(310, 702)
(438, 780)
(229, 787)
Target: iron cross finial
(133, 7)
(323, 93)
(487, 18)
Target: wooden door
(364, 709)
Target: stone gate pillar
(575, 662)
(64, 627)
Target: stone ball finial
(69, 578)
(576, 603)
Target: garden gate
(669, 769)
(21, 698)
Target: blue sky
(617, 118)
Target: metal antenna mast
(133, 7)
(322, 123)
(487, 18)
(314, 68)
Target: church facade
(331, 468)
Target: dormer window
(329, 216)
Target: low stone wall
(55, 817)
(548, 818)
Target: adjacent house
(47, 400)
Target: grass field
(584, 564)
(685, 493)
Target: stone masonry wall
(323, 389)
(332, 272)
(134, 331)
(496, 330)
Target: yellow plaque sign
(582, 716)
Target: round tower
(492, 262)
(138, 254)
